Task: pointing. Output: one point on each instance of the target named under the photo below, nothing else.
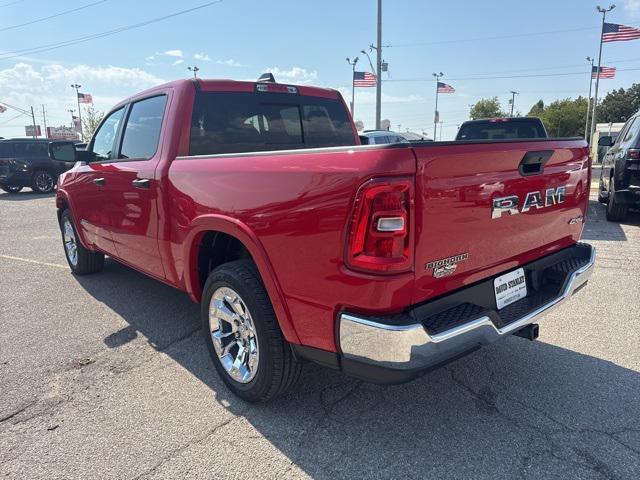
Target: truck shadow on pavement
(514, 409)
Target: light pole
(441, 122)
(603, 11)
(513, 100)
(73, 123)
(77, 87)
(195, 70)
(379, 67)
(586, 123)
(373, 69)
(436, 116)
(353, 84)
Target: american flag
(364, 79)
(619, 33)
(445, 88)
(85, 98)
(605, 72)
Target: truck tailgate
(461, 237)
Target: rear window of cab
(501, 129)
(238, 122)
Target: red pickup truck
(382, 261)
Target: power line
(4, 29)
(10, 3)
(426, 79)
(75, 41)
(496, 37)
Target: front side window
(252, 122)
(142, 131)
(31, 149)
(105, 138)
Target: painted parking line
(28, 260)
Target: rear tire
(601, 196)
(80, 260)
(43, 182)
(615, 211)
(243, 336)
(10, 189)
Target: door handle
(98, 181)
(141, 183)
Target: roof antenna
(266, 77)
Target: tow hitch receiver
(530, 332)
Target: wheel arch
(206, 226)
(64, 202)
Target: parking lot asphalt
(107, 376)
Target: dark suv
(620, 176)
(26, 163)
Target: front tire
(615, 211)
(80, 260)
(242, 334)
(10, 189)
(43, 182)
(601, 196)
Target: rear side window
(6, 149)
(28, 149)
(500, 130)
(142, 130)
(632, 132)
(252, 122)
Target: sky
(484, 49)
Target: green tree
(619, 105)
(562, 118)
(91, 118)
(487, 108)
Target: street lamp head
(355, 60)
(348, 60)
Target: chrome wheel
(69, 238)
(233, 334)
(44, 182)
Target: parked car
(620, 174)
(378, 137)
(502, 129)
(381, 261)
(26, 163)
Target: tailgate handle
(533, 162)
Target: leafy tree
(562, 118)
(487, 108)
(619, 105)
(91, 118)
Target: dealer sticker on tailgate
(510, 288)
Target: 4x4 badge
(446, 266)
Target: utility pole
(441, 122)
(436, 115)
(72, 111)
(586, 123)
(353, 85)
(195, 71)
(603, 11)
(44, 121)
(77, 87)
(513, 100)
(33, 119)
(379, 67)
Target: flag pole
(586, 123)
(603, 11)
(436, 116)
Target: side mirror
(62, 151)
(605, 141)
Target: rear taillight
(633, 154)
(379, 237)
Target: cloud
(368, 97)
(632, 7)
(174, 53)
(293, 75)
(202, 56)
(230, 63)
(24, 84)
(178, 62)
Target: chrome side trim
(409, 347)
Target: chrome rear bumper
(411, 348)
